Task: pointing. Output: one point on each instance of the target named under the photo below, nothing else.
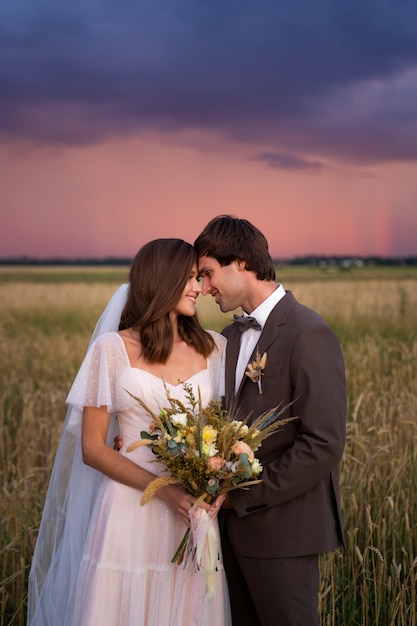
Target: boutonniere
(255, 370)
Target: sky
(126, 121)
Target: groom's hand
(118, 442)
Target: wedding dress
(101, 557)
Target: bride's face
(188, 299)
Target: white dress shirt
(249, 338)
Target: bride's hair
(158, 275)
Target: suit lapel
(232, 352)
(269, 334)
(267, 337)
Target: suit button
(257, 507)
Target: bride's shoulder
(106, 341)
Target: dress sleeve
(95, 383)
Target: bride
(101, 557)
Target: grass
(45, 326)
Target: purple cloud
(337, 79)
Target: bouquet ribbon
(204, 542)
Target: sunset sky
(127, 121)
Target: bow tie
(245, 322)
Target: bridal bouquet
(206, 451)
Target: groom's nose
(205, 286)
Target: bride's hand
(178, 500)
(182, 502)
(216, 506)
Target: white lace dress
(124, 576)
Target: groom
(273, 533)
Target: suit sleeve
(319, 394)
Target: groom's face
(223, 282)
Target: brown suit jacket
(296, 509)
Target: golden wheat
(44, 331)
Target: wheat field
(46, 318)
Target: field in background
(46, 318)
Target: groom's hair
(227, 238)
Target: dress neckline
(160, 378)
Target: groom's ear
(241, 265)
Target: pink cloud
(108, 200)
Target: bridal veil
(68, 507)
